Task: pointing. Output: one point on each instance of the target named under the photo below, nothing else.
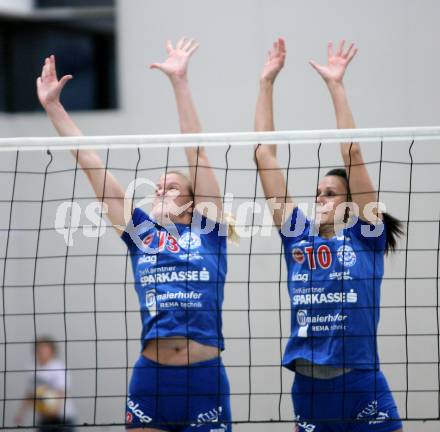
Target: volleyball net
(65, 273)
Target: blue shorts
(179, 398)
(357, 401)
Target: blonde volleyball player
(335, 268)
(179, 382)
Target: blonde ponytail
(230, 221)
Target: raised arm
(272, 178)
(361, 185)
(204, 182)
(49, 89)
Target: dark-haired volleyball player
(335, 269)
(179, 382)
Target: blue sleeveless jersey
(334, 288)
(179, 277)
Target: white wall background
(392, 82)
(16, 5)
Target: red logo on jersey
(129, 417)
(148, 240)
(298, 255)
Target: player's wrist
(179, 79)
(53, 107)
(267, 83)
(335, 85)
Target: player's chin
(164, 215)
(325, 218)
(159, 212)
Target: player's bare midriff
(178, 351)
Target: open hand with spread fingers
(176, 65)
(49, 88)
(275, 61)
(334, 70)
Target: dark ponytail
(393, 227)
